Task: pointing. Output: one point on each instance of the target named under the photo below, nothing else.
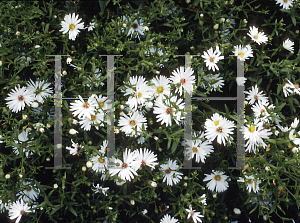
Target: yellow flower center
(101, 104)
(160, 89)
(168, 111)
(251, 128)
(72, 27)
(138, 95)
(285, 1)
(250, 181)
(216, 123)
(182, 81)
(93, 117)
(255, 36)
(101, 160)
(296, 86)
(212, 59)
(132, 123)
(217, 177)
(195, 149)
(241, 54)
(213, 80)
(263, 110)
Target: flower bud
(42, 130)
(21, 175)
(24, 116)
(73, 131)
(132, 202)
(156, 138)
(89, 164)
(153, 184)
(216, 26)
(64, 73)
(55, 186)
(83, 168)
(17, 33)
(34, 104)
(7, 176)
(122, 107)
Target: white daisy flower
(286, 90)
(168, 219)
(241, 81)
(75, 148)
(184, 79)
(212, 58)
(258, 37)
(100, 163)
(203, 199)
(295, 123)
(286, 4)
(260, 110)
(84, 109)
(195, 215)
(161, 86)
(253, 96)
(218, 127)
(243, 53)
(157, 52)
(40, 88)
(237, 211)
(18, 97)
(103, 103)
(288, 45)
(30, 194)
(126, 169)
(95, 79)
(214, 82)
(71, 24)
(17, 209)
(255, 134)
(252, 185)
(139, 92)
(165, 109)
(199, 149)
(86, 123)
(136, 27)
(294, 87)
(100, 189)
(217, 180)
(172, 176)
(146, 157)
(23, 138)
(91, 26)
(1, 140)
(119, 181)
(134, 121)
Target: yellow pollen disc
(72, 27)
(263, 110)
(101, 104)
(160, 89)
(213, 80)
(212, 59)
(216, 123)
(241, 54)
(251, 128)
(285, 1)
(182, 81)
(250, 181)
(219, 130)
(293, 136)
(132, 123)
(101, 160)
(86, 105)
(195, 149)
(255, 36)
(296, 86)
(21, 98)
(139, 95)
(217, 177)
(93, 117)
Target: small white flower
(1, 63)
(168, 219)
(217, 180)
(146, 28)
(243, 53)
(295, 150)
(41, 129)
(71, 24)
(83, 168)
(37, 46)
(156, 138)
(149, 104)
(276, 132)
(73, 131)
(184, 78)
(286, 4)
(172, 176)
(18, 33)
(153, 184)
(237, 211)
(288, 45)
(17, 209)
(258, 37)
(241, 81)
(195, 215)
(7, 176)
(100, 189)
(55, 186)
(64, 73)
(252, 185)
(145, 211)
(132, 202)
(69, 60)
(295, 123)
(212, 58)
(89, 164)
(35, 104)
(24, 116)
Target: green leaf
(293, 20)
(72, 210)
(169, 143)
(174, 146)
(47, 28)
